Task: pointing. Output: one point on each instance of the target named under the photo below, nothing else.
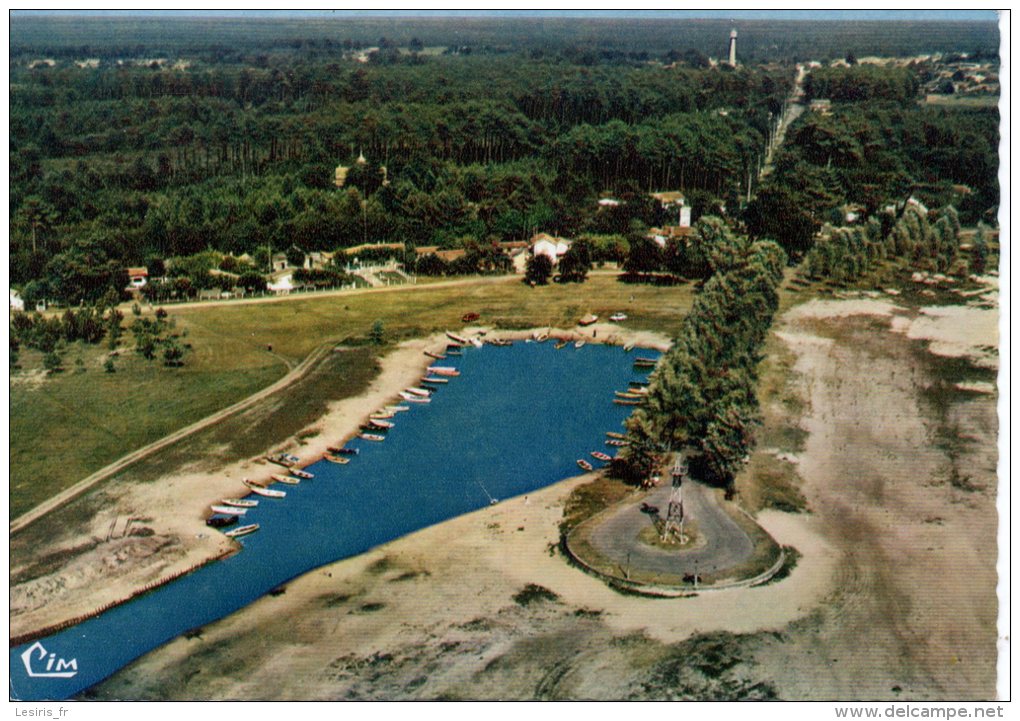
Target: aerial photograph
(507, 355)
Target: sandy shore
(176, 506)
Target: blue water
(515, 420)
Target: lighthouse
(733, 48)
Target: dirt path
(102, 474)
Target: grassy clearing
(962, 101)
(69, 425)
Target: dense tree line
(846, 254)
(859, 83)
(262, 40)
(701, 397)
(112, 167)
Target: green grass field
(69, 425)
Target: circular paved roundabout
(725, 547)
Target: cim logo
(55, 667)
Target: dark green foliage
(137, 165)
(861, 82)
(846, 254)
(538, 270)
(576, 262)
(53, 362)
(328, 277)
(645, 256)
(702, 394)
(377, 334)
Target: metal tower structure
(675, 512)
(733, 48)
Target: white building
(282, 285)
(549, 246)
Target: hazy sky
(970, 15)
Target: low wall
(663, 591)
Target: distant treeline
(586, 41)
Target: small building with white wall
(552, 247)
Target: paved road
(728, 545)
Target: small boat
(644, 362)
(614, 434)
(627, 395)
(542, 338)
(419, 392)
(263, 491)
(301, 474)
(616, 443)
(240, 502)
(380, 424)
(411, 398)
(455, 352)
(228, 510)
(290, 457)
(626, 402)
(337, 459)
(476, 342)
(382, 415)
(341, 450)
(628, 348)
(221, 521)
(617, 317)
(561, 344)
(588, 319)
(280, 460)
(444, 371)
(459, 339)
(584, 464)
(437, 356)
(579, 344)
(242, 530)
(371, 437)
(435, 381)
(501, 342)
(600, 456)
(285, 479)
(640, 383)
(398, 409)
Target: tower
(733, 48)
(675, 512)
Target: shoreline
(189, 495)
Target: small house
(278, 262)
(137, 278)
(671, 200)
(549, 246)
(821, 105)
